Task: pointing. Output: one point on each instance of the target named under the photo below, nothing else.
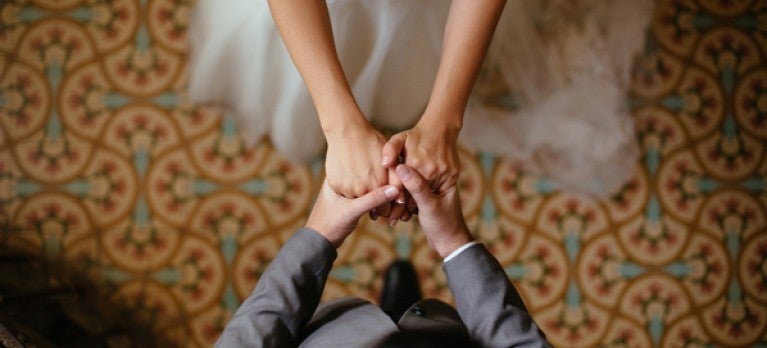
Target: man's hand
(335, 217)
(440, 215)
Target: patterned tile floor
(105, 167)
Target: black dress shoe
(400, 289)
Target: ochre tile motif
(104, 166)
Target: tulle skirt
(552, 93)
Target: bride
(551, 91)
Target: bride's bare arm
(353, 162)
(468, 31)
(430, 146)
(306, 30)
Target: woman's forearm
(468, 32)
(306, 30)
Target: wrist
(446, 122)
(318, 222)
(343, 124)
(334, 239)
(457, 240)
(445, 107)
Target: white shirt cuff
(459, 250)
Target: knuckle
(343, 190)
(430, 169)
(358, 190)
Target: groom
(283, 308)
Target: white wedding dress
(553, 92)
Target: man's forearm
(286, 296)
(488, 303)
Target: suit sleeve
(286, 296)
(488, 303)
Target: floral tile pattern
(105, 166)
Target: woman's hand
(429, 149)
(353, 161)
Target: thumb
(392, 149)
(373, 199)
(415, 184)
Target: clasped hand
(363, 160)
(335, 217)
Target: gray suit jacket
(283, 309)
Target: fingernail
(403, 172)
(391, 192)
(385, 161)
(392, 223)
